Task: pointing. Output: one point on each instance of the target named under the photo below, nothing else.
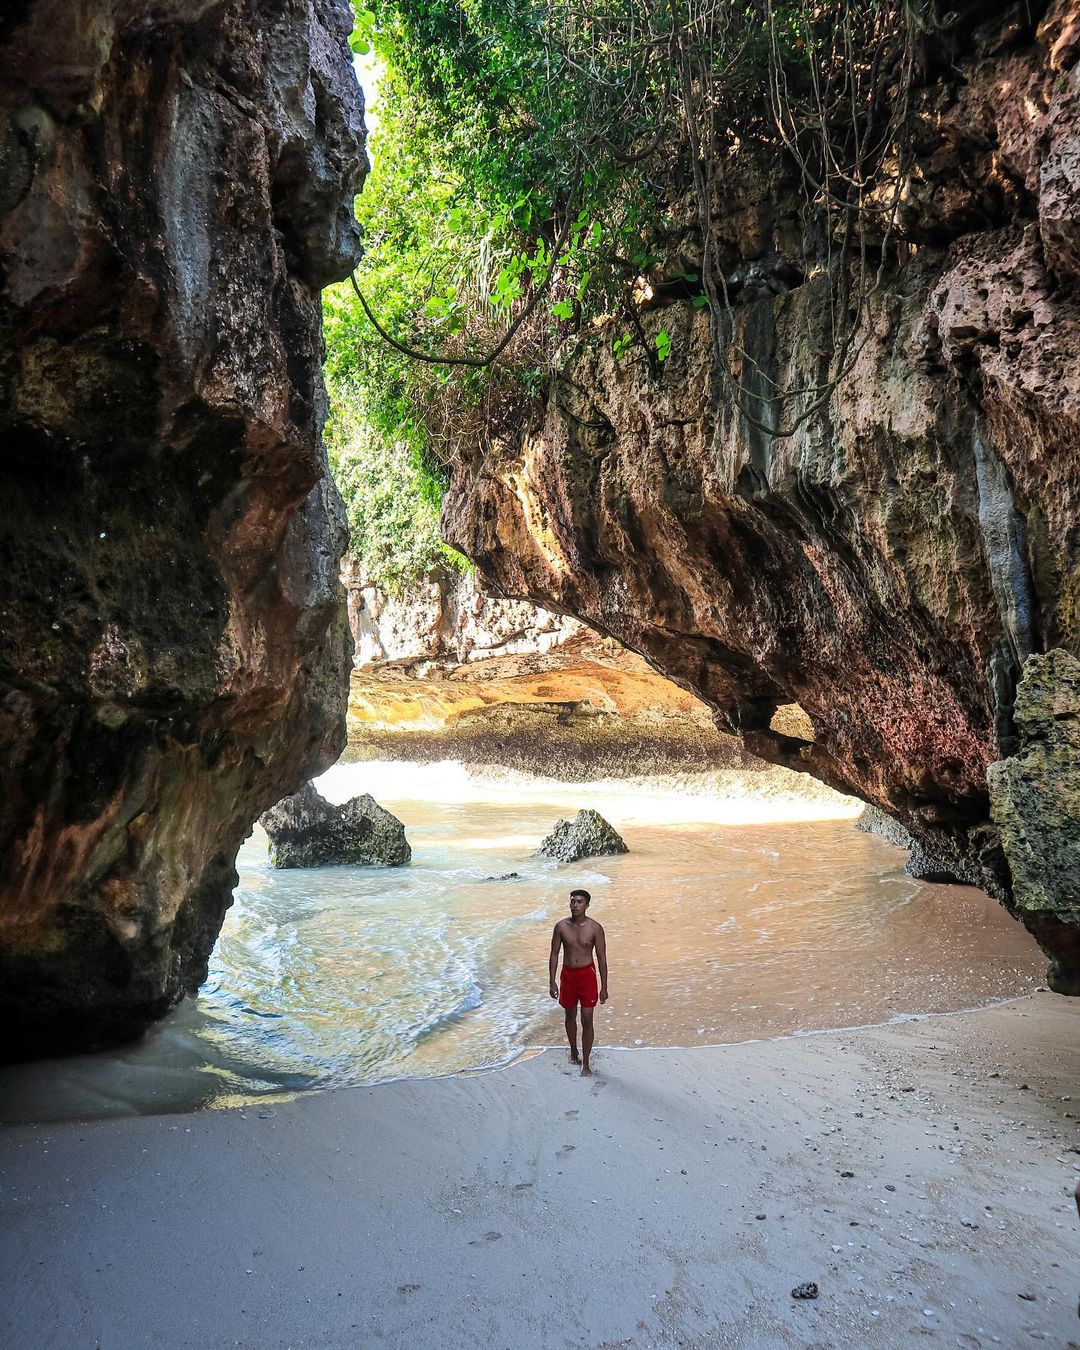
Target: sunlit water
(718, 930)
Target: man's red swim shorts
(578, 985)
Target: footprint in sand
(488, 1237)
(523, 1186)
(407, 1288)
(570, 1115)
(566, 1148)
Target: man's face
(578, 906)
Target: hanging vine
(551, 149)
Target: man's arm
(601, 961)
(553, 961)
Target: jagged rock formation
(445, 671)
(584, 708)
(306, 830)
(920, 864)
(1035, 802)
(923, 867)
(588, 835)
(890, 565)
(873, 821)
(176, 185)
(444, 621)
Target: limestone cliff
(176, 185)
(891, 564)
(445, 620)
(445, 671)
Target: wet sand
(675, 1199)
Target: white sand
(531, 1208)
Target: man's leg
(586, 1040)
(571, 1033)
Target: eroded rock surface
(1035, 801)
(176, 185)
(579, 709)
(445, 671)
(920, 864)
(306, 830)
(890, 565)
(588, 835)
(446, 620)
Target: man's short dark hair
(586, 894)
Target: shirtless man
(578, 935)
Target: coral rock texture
(176, 185)
(308, 831)
(891, 564)
(1035, 801)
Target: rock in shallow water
(308, 831)
(588, 835)
(923, 867)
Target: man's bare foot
(575, 1058)
(586, 1072)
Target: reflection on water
(716, 933)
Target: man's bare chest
(578, 941)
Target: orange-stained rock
(445, 671)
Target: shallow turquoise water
(717, 932)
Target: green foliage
(535, 150)
(489, 150)
(392, 502)
(363, 31)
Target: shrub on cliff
(391, 501)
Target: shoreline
(721, 797)
(242, 1101)
(528, 1207)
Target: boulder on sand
(308, 831)
(588, 835)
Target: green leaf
(663, 345)
(700, 301)
(563, 309)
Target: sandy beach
(919, 1174)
